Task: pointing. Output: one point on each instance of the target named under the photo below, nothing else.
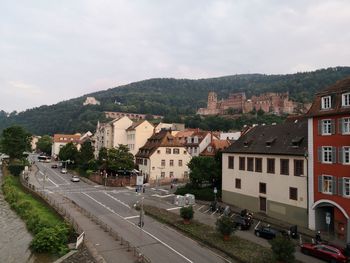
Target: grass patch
(237, 248)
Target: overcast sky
(56, 50)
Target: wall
(114, 181)
(119, 131)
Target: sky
(56, 50)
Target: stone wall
(115, 181)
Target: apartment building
(137, 135)
(329, 165)
(60, 140)
(265, 170)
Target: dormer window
(346, 99)
(210, 149)
(270, 142)
(189, 140)
(195, 139)
(297, 141)
(326, 102)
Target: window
(185, 174)
(326, 102)
(250, 164)
(176, 151)
(346, 186)
(298, 167)
(180, 162)
(327, 154)
(327, 184)
(238, 183)
(162, 174)
(326, 127)
(262, 188)
(346, 155)
(258, 165)
(158, 151)
(346, 99)
(168, 151)
(242, 163)
(144, 161)
(171, 162)
(171, 174)
(284, 166)
(270, 166)
(162, 163)
(231, 162)
(345, 125)
(194, 150)
(293, 193)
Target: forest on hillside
(177, 99)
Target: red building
(329, 160)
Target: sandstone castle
(277, 103)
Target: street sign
(328, 218)
(139, 180)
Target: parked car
(241, 223)
(327, 252)
(266, 232)
(63, 170)
(75, 178)
(54, 166)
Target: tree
(120, 158)
(186, 213)
(68, 152)
(203, 169)
(86, 153)
(44, 144)
(283, 249)
(225, 226)
(14, 141)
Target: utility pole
(142, 213)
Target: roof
(185, 133)
(200, 135)
(217, 145)
(66, 138)
(134, 125)
(288, 138)
(335, 91)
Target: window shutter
(320, 183)
(340, 186)
(340, 155)
(334, 154)
(333, 126)
(319, 154)
(334, 185)
(340, 126)
(319, 127)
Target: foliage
(85, 155)
(203, 169)
(16, 167)
(68, 152)
(206, 193)
(14, 141)
(187, 212)
(44, 144)
(169, 97)
(102, 155)
(224, 225)
(120, 158)
(283, 249)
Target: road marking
(130, 217)
(162, 196)
(52, 182)
(56, 173)
(148, 233)
(116, 199)
(163, 190)
(174, 208)
(200, 207)
(257, 225)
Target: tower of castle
(212, 101)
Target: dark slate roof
(288, 138)
(335, 91)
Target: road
(115, 208)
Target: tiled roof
(216, 145)
(66, 138)
(289, 138)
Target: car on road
(326, 252)
(63, 170)
(266, 232)
(54, 166)
(241, 223)
(75, 178)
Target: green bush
(283, 249)
(186, 212)
(225, 225)
(206, 194)
(16, 168)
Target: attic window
(210, 149)
(297, 141)
(247, 143)
(270, 142)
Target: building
(277, 103)
(173, 127)
(214, 147)
(163, 159)
(137, 135)
(133, 116)
(329, 165)
(60, 140)
(91, 101)
(265, 170)
(34, 141)
(233, 136)
(198, 141)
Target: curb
(72, 252)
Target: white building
(60, 140)
(137, 135)
(91, 101)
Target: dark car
(241, 223)
(330, 253)
(54, 166)
(266, 232)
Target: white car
(63, 171)
(75, 178)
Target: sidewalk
(102, 245)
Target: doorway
(262, 201)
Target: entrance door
(262, 204)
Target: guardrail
(67, 216)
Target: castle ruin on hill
(277, 103)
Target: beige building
(34, 141)
(60, 140)
(163, 158)
(265, 170)
(137, 135)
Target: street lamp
(215, 192)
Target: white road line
(200, 207)
(174, 208)
(163, 190)
(257, 225)
(55, 173)
(52, 182)
(130, 217)
(116, 199)
(162, 196)
(148, 233)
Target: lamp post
(142, 213)
(215, 192)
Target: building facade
(265, 170)
(137, 135)
(60, 140)
(329, 166)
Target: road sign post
(328, 220)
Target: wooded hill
(168, 97)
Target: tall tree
(203, 169)
(120, 158)
(44, 144)
(86, 154)
(68, 152)
(14, 141)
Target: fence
(69, 218)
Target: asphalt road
(115, 207)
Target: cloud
(24, 89)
